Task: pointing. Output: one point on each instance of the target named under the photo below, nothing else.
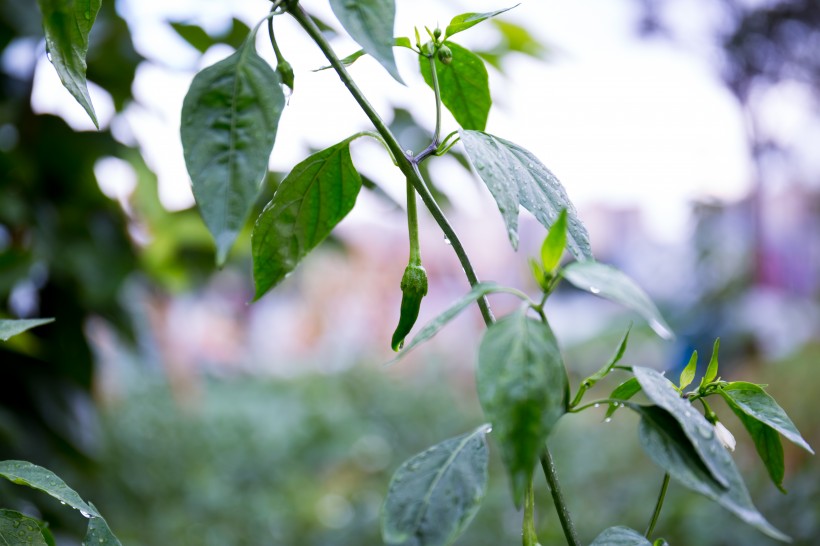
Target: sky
(622, 121)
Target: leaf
(712, 369)
(554, 243)
(99, 534)
(767, 443)
(515, 177)
(701, 433)
(666, 443)
(229, 121)
(356, 55)
(18, 529)
(624, 391)
(688, 373)
(523, 389)
(202, 41)
(370, 23)
(619, 354)
(316, 195)
(9, 328)
(434, 495)
(67, 24)
(434, 326)
(607, 282)
(755, 402)
(620, 536)
(464, 85)
(467, 20)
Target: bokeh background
(686, 132)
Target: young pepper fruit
(413, 289)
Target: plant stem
(658, 506)
(413, 225)
(558, 498)
(431, 149)
(528, 526)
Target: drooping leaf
(701, 433)
(434, 326)
(18, 529)
(516, 178)
(554, 243)
(607, 282)
(316, 195)
(67, 24)
(620, 536)
(370, 24)
(755, 402)
(202, 41)
(467, 20)
(767, 443)
(99, 533)
(464, 85)
(712, 368)
(688, 373)
(666, 443)
(434, 495)
(12, 327)
(523, 388)
(229, 121)
(624, 391)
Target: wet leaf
(620, 536)
(464, 85)
(12, 327)
(18, 529)
(370, 23)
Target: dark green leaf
(370, 24)
(767, 443)
(229, 121)
(607, 282)
(688, 373)
(316, 195)
(701, 433)
(37, 477)
(712, 369)
(467, 20)
(624, 391)
(620, 536)
(666, 443)
(432, 328)
(202, 41)
(434, 495)
(464, 85)
(515, 177)
(554, 243)
(752, 400)
(17, 529)
(9, 328)
(67, 24)
(99, 534)
(523, 388)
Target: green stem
(528, 526)
(658, 506)
(558, 498)
(431, 149)
(413, 225)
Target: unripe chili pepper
(286, 72)
(413, 289)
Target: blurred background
(685, 132)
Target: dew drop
(447, 241)
(530, 165)
(85, 514)
(597, 405)
(409, 153)
(594, 290)
(608, 420)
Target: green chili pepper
(413, 289)
(286, 73)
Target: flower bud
(725, 436)
(445, 55)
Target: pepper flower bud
(725, 436)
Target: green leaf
(67, 24)
(467, 20)
(434, 495)
(666, 443)
(523, 388)
(712, 369)
(18, 529)
(356, 55)
(316, 195)
(701, 433)
(229, 121)
(755, 402)
(464, 85)
(767, 443)
(624, 391)
(434, 326)
(515, 177)
(99, 534)
(370, 24)
(202, 41)
(607, 282)
(620, 536)
(688, 373)
(9, 328)
(554, 243)
(606, 368)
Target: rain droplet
(48, 55)
(608, 420)
(409, 152)
(530, 165)
(594, 290)
(85, 514)
(447, 241)
(597, 405)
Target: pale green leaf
(229, 121)
(370, 24)
(464, 85)
(12, 327)
(67, 24)
(434, 495)
(554, 243)
(688, 373)
(37, 477)
(712, 368)
(467, 20)
(624, 391)
(523, 388)
(356, 55)
(607, 282)
(17, 529)
(620, 536)
(515, 177)
(316, 195)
